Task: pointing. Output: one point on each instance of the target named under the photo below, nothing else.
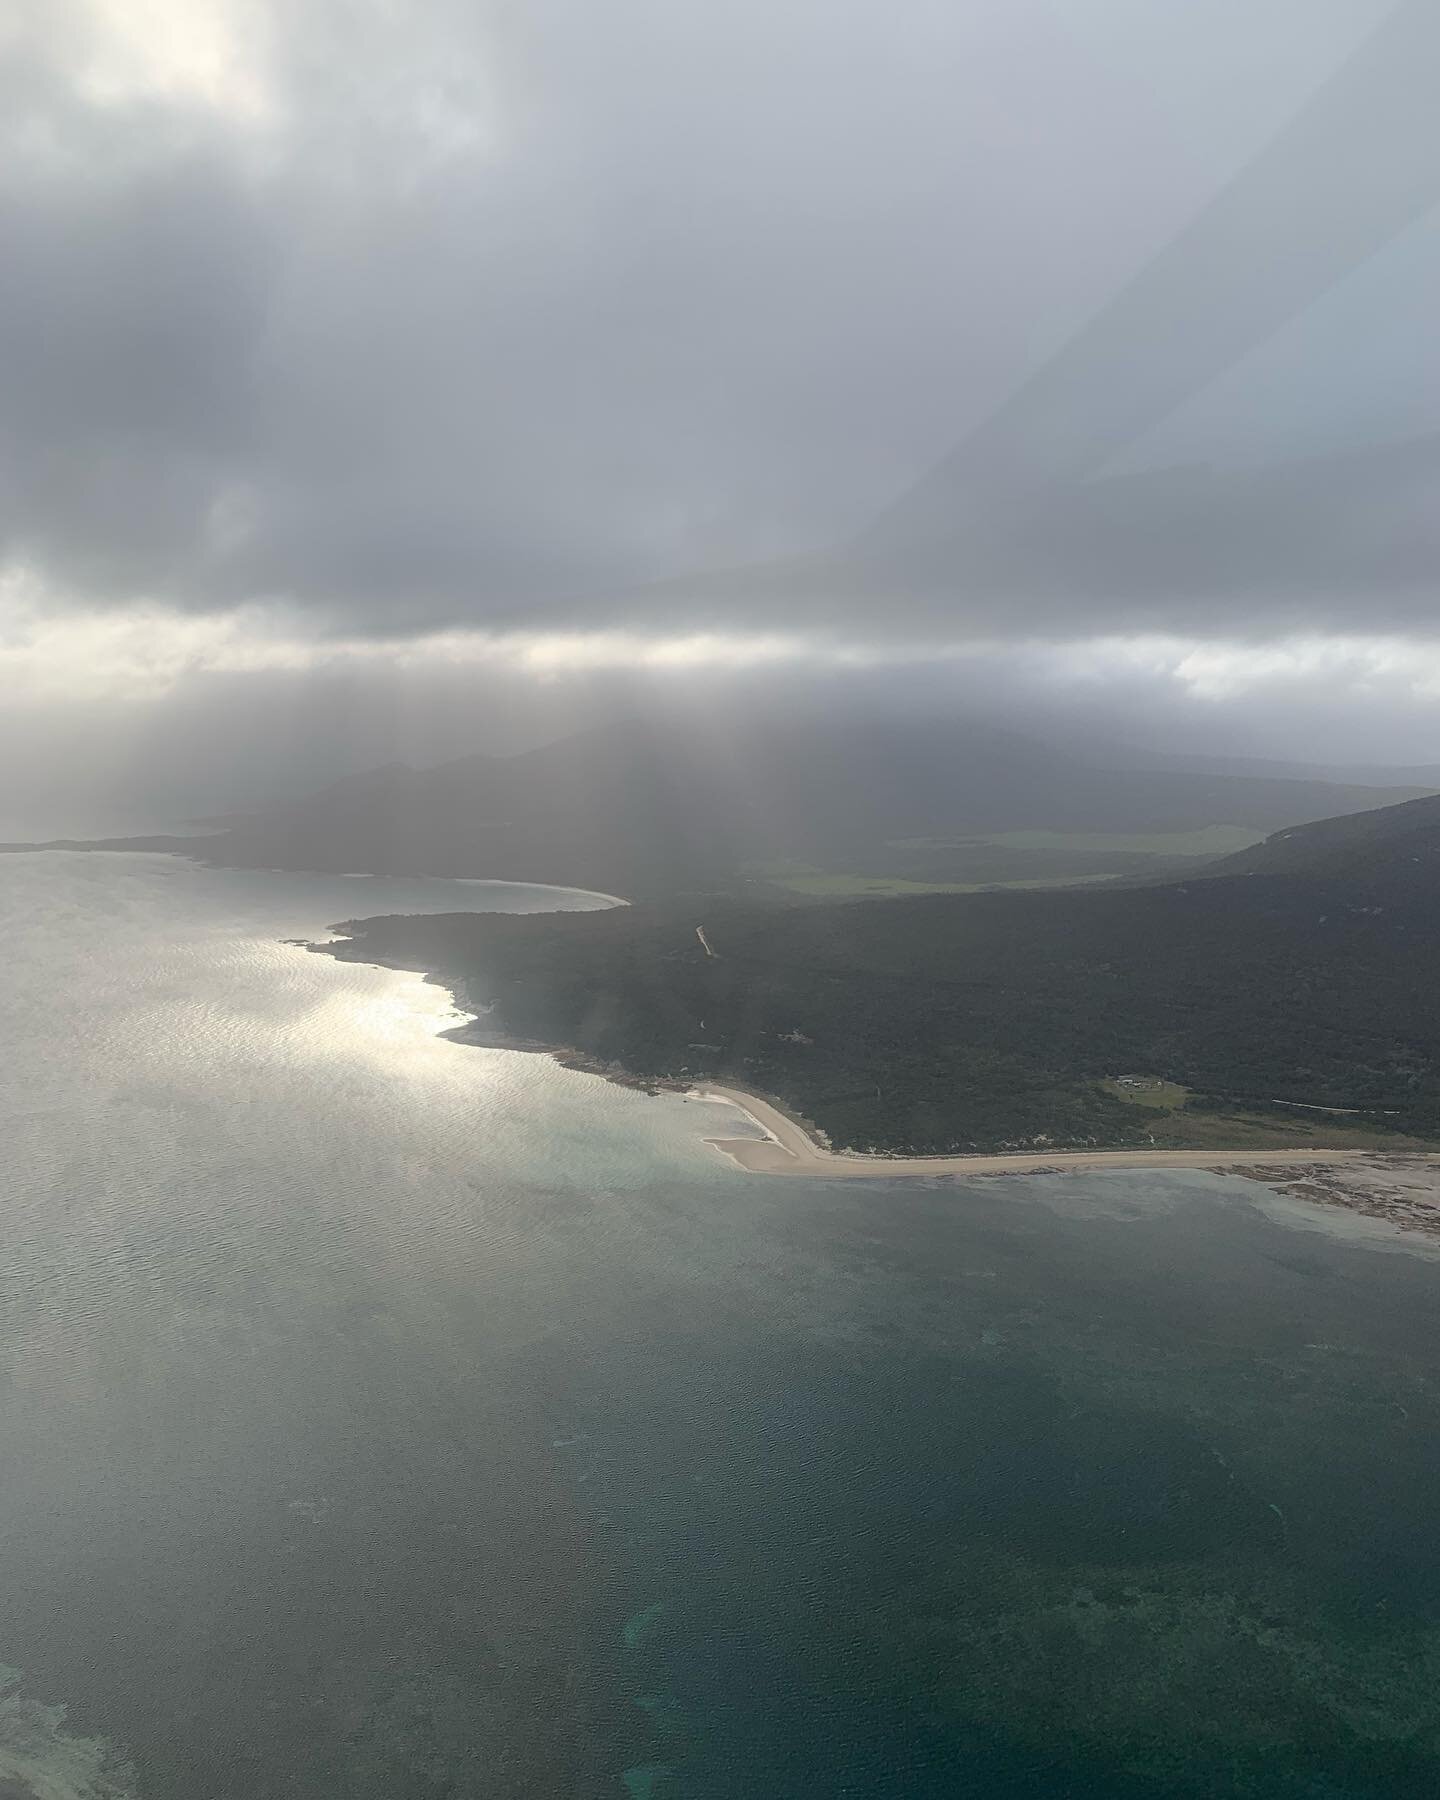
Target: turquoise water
(386, 1417)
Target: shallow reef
(40, 1760)
(1205, 1679)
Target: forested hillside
(1236, 1006)
(1393, 850)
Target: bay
(381, 1416)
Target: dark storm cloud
(510, 318)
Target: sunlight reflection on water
(357, 1389)
(396, 1013)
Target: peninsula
(788, 1149)
(1281, 1003)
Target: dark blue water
(380, 1417)
(1101, 1507)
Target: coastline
(1400, 1187)
(190, 847)
(476, 1028)
(788, 1149)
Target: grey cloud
(513, 320)
(130, 320)
(1352, 169)
(1341, 544)
(217, 741)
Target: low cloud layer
(393, 320)
(182, 718)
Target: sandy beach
(787, 1149)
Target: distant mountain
(607, 810)
(1394, 848)
(1424, 776)
(642, 808)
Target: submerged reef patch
(40, 1760)
(1220, 1681)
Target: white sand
(787, 1149)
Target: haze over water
(386, 1417)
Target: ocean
(386, 1417)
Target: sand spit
(788, 1149)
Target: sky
(402, 377)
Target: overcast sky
(417, 349)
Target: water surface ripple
(386, 1417)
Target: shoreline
(186, 849)
(788, 1149)
(1399, 1187)
(473, 1028)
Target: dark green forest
(958, 1022)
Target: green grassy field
(1178, 1125)
(821, 886)
(1188, 1130)
(1212, 840)
(909, 867)
(1163, 1096)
